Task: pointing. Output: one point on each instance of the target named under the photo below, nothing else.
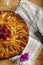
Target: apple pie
(13, 34)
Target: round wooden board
(8, 4)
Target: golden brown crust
(19, 31)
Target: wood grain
(7, 62)
(39, 60)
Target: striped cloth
(34, 47)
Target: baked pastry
(13, 34)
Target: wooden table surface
(39, 60)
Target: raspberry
(5, 33)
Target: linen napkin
(32, 14)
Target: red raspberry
(5, 33)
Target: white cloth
(33, 48)
(32, 14)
